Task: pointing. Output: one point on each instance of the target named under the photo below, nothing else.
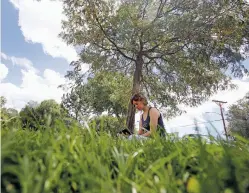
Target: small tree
(103, 92)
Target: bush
(109, 124)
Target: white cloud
(3, 71)
(22, 62)
(33, 87)
(40, 22)
(53, 78)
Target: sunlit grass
(66, 160)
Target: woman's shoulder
(154, 111)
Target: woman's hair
(139, 97)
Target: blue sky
(34, 61)
(13, 44)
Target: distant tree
(12, 112)
(103, 92)
(29, 117)
(49, 111)
(36, 116)
(3, 101)
(175, 50)
(33, 104)
(9, 116)
(238, 117)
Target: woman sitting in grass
(151, 120)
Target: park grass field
(65, 160)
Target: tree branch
(143, 13)
(118, 48)
(159, 10)
(166, 41)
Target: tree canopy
(177, 51)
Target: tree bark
(130, 120)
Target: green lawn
(80, 160)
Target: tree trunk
(130, 120)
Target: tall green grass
(68, 160)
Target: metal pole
(221, 112)
(224, 125)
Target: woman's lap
(139, 137)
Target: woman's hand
(140, 131)
(147, 134)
